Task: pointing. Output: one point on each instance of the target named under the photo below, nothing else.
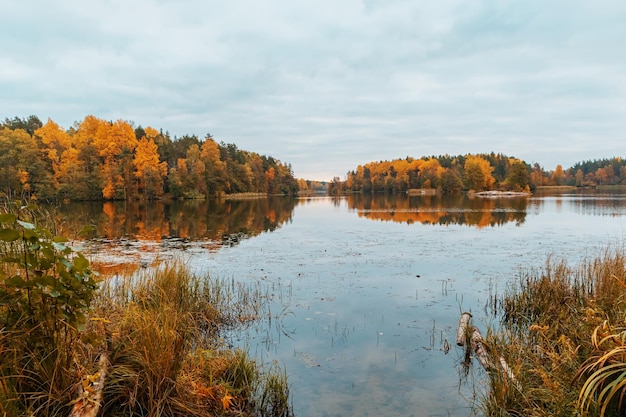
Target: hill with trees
(112, 160)
(476, 172)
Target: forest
(479, 172)
(97, 159)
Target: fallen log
(90, 391)
(478, 345)
(509, 372)
(480, 348)
(462, 334)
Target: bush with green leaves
(46, 290)
(156, 334)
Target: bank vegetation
(563, 335)
(147, 344)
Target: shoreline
(494, 193)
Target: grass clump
(146, 344)
(167, 357)
(563, 336)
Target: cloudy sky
(327, 85)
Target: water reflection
(440, 209)
(609, 202)
(129, 235)
(213, 220)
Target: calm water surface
(366, 291)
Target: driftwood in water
(509, 372)
(90, 392)
(478, 345)
(480, 348)
(462, 334)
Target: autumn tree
(580, 176)
(56, 141)
(557, 175)
(19, 163)
(451, 181)
(235, 160)
(187, 179)
(284, 182)
(181, 145)
(215, 168)
(335, 187)
(115, 143)
(149, 171)
(518, 177)
(478, 174)
(257, 171)
(602, 176)
(430, 173)
(175, 179)
(82, 179)
(537, 176)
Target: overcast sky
(327, 85)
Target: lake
(365, 291)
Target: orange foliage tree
(20, 164)
(57, 142)
(149, 171)
(116, 143)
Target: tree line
(96, 159)
(476, 172)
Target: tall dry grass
(147, 344)
(167, 357)
(549, 337)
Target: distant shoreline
(557, 187)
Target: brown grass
(548, 336)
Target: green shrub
(46, 290)
(146, 344)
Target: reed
(560, 334)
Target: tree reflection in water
(440, 209)
(127, 235)
(191, 219)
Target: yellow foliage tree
(57, 141)
(215, 168)
(478, 173)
